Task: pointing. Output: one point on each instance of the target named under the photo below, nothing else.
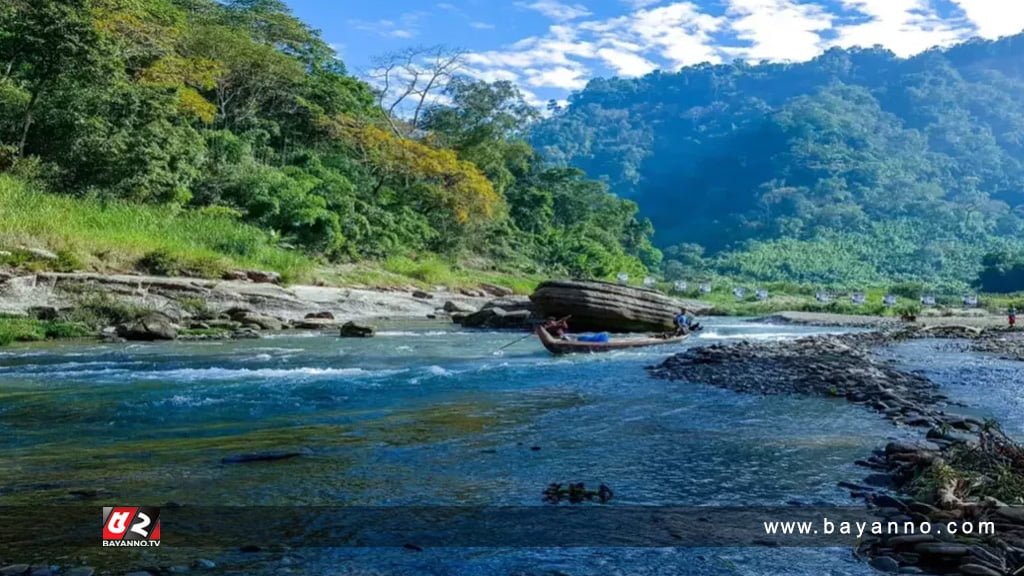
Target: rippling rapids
(427, 416)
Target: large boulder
(596, 306)
(505, 313)
(149, 328)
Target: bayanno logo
(132, 526)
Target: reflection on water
(424, 416)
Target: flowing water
(425, 416)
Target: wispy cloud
(558, 11)
(405, 27)
(482, 25)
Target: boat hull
(559, 347)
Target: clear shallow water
(987, 385)
(426, 416)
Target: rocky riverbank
(962, 470)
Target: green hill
(856, 167)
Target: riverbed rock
(355, 330)
(514, 312)
(81, 571)
(453, 307)
(14, 570)
(315, 324)
(261, 321)
(263, 277)
(321, 315)
(420, 294)
(497, 290)
(260, 457)
(597, 306)
(149, 328)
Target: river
(425, 415)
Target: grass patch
(117, 236)
(401, 271)
(31, 330)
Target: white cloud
(626, 63)
(564, 77)
(777, 29)
(558, 11)
(481, 25)
(994, 18)
(669, 34)
(906, 27)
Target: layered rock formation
(596, 306)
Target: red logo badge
(136, 526)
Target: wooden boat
(556, 346)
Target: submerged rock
(151, 327)
(354, 330)
(597, 306)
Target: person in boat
(684, 323)
(559, 328)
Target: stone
(942, 549)
(14, 570)
(885, 564)
(40, 254)
(497, 290)
(420, 294)
(179, 569)
(149, 328)
(81, 571)
(205, 564)
(246, 334)
(235, 276)
(139, 573)
(455, 307)
(322, 315)
(315, 324)
(262, 321)
(978, 570)
(598, 306)
(503, 313)
(354, 330)
(263, 277)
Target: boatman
(557, 328)
(684, 324)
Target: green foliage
(1002, 273)
(32, 330)
(856, 168)
(225, 113)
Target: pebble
(81, 571)
(14, 570)
(205, 564)
(978, 570)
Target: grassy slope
(112, 236)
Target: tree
(410, 80)
(47, 41)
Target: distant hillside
(855, 167)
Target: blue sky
(552, 47)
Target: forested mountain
(855, 167)
(235, 108)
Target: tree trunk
(27, 124)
